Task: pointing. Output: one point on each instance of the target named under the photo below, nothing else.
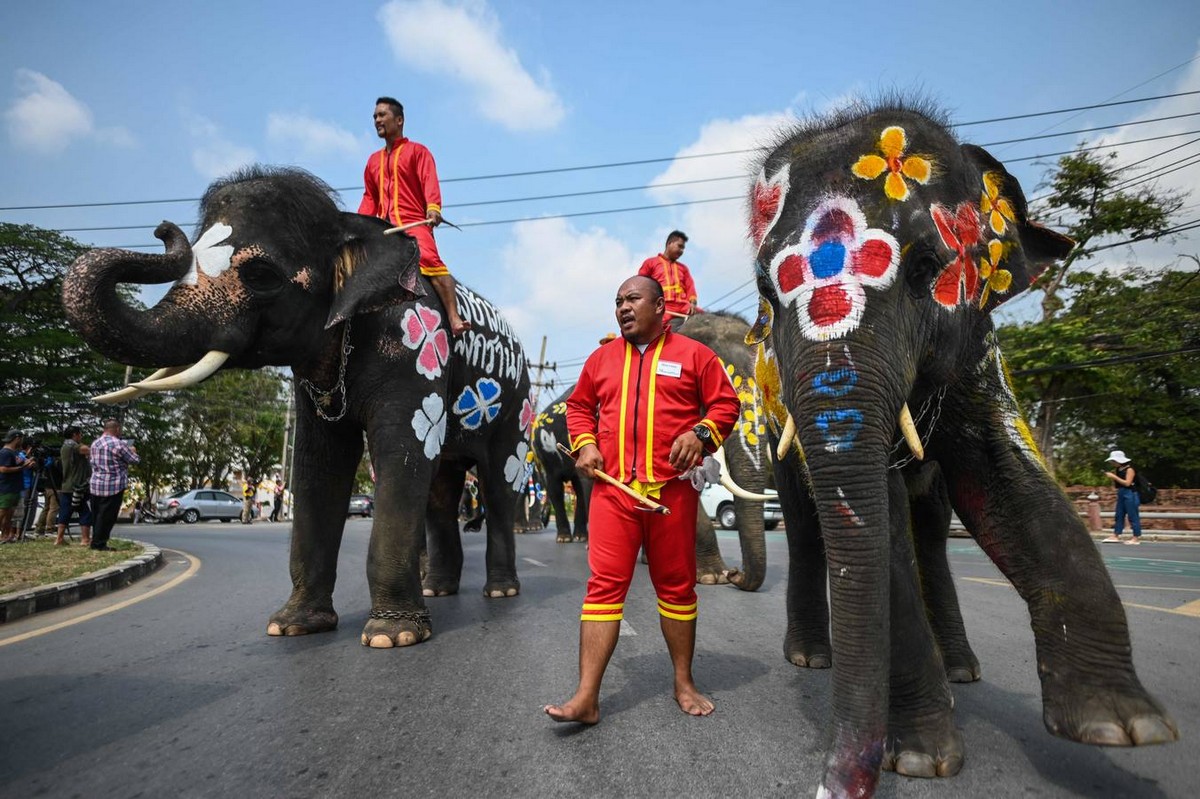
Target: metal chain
(324, 399)
(419, 616)
(925, 406)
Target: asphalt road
(182, 693)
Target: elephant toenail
(406, 639)
(274, 629)
(427, 592)
(380, 641)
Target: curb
(1147, 535)
(20, 604)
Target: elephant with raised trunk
(882, 245)
(278, 276)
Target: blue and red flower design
(825, 273)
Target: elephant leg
(710, 566)
(554, 490)
(445, 553)
(327, 456)
(806, 642)
(403, 479)
(501, 546)
(583, 503)
(931, 528)
(921, 738)
(1019, 516)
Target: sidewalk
(24, 603)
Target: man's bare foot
(692, 702)
(577, 711)
(458, 325)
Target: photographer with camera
(50, 478)
(76, 470)
(12, 482)
(111, 458)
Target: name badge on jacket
(670, 368)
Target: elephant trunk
(752, 537)
(108, 323)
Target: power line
(1120, 359)
(644, 161)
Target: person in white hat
(1128, 502)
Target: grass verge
(37, 562)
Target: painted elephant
(278, 276)
(549, 430)
(882, 246)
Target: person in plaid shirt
(110, 457)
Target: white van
(718, 504)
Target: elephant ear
(371, 270)
(1014, 245)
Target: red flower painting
(961, 233)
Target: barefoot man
(646, 409)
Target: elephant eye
(261, 276)
(921, 267)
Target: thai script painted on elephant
(423, 332)
(208, 257)
(823, 274)
(898, 167)
(960, 232)
(839, 427)
(478, 404)
(766, 204)
(429, 423)
(492, 345)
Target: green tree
(1093, 201)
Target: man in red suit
(679, 290)
(646, 408)
(401, 186)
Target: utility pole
(537, 383)
(287, 429)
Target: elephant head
(273, 266)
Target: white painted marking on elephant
(548, 440)
(429, 423)
(535, 562)
(514, 467)
(491, 346)
(207, 257)
(1015, 425)
(626, 629)
(847, 512)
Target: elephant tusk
(785, 439)
(201, 369)
(909, 428)
(731, 486)
(133, 392)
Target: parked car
(718, 504)
(199, 503)
(361, 505)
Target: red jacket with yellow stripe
(634, 405)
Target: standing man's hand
(589, 460)
(686, 452)
(435, 215)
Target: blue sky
(126, 101)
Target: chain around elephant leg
(389, 628)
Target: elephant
(279, 276)
(549, 430)
(882, 245)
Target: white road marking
(535, 562)
(626, 629)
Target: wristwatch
(703, 433)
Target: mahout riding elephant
(550, 430)
(278, 276)
(882, 246)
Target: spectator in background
(77, 471)
(12, 482)
(1128, 502)
(50, 484)
(111, 457)
(679, 290)
(277, 500)
(249, 487)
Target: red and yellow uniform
(679, 290)
(633, 405)
(401, 186)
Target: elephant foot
(808, 654)
(931, 749)
(744, 581)
(1106, 715)
(390, 628)
(579, 539)
(961, 667)
(501, 589)
(562, 538)
(290, 620)
(438, 586)
(712, 576)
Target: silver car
(197, 504)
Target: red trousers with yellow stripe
(617, 530)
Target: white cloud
(46, 118)
(719, 252)
(464, 40)
(310, 137)
(568, 278)
(215, 156)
